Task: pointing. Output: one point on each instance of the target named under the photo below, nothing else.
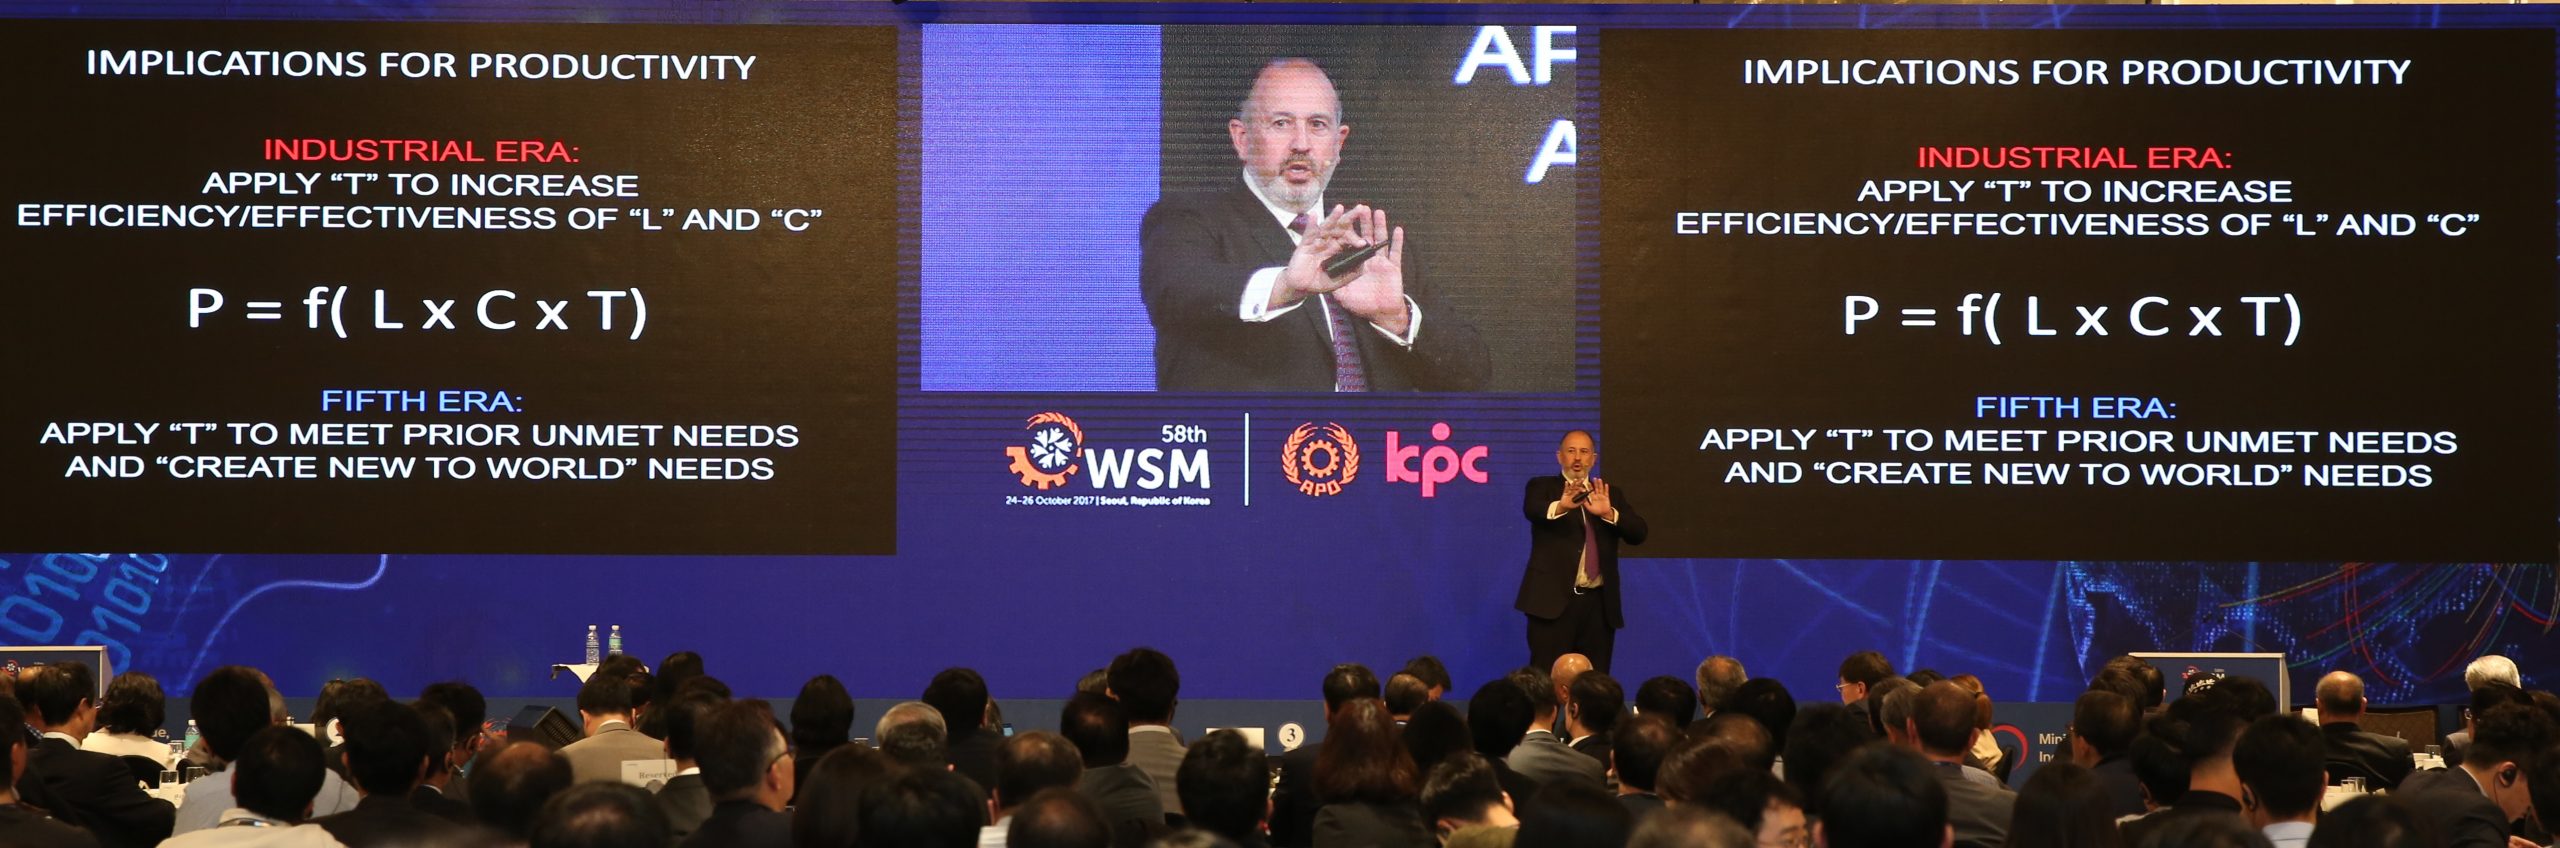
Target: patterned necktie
(1590, 548)
(1347, 373)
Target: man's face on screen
(1290, 134)
(1576, 455)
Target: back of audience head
(2063, 805)
(1225, 785)
(1097, 682)
(1434, 733)
(1668, 697)
(600, 815)
(1059, 818)
(2159, 767)
(1597, 701)
(1433, 672)
(1717, 677)
(1362, 760)
(57, 694)
(1766, 807)
(1464, 791)
(469, 709)
(920, 808)
(1891, 702)
(1406, 693)
(1767, 701)
(2104, 723)
(441, 731)
(2377, 821)
(2491, 695)
(1033, 761)
(703, 684)
(1882, 797)
(228, 705)
(509, 786)
(914, 735)
(2120, 681)
(1147, 685)
(1574, 814)
(1822, 738)
(1693, 765)
(1749, 742)
(1687, 827)
(960, 695)
(604, 698)
(2283, 769)
(1498, 715)
(279, 771)
(1638, 746)
(742, 755)
(1347, 682)
(1098, 727)
(134, 705)
(2491, 668)
(339, 697)
(677, 668)
(2152, 683)
(387, 746)
(2505, 742)
(830, 808)
(822, 717)
(1944, 719)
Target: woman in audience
(2063, 806)
(1368, 783)
(830, 798)
(1987, 754)
(134, 708)
(821, 721)
(1435, 732)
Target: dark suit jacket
(2194, 803)
(1640, 806)
(2468, 817)
(686, 803)
(1293, 800)
(2384, 757)
(1128, 801)
(442, 803)
(386, 820)
(1355, 825)
(1555, 550)
(2123, 787)
(742, 824)
(1596, 747)
(1519, 786)
(974, 756)
(95, 791)
(1198, 252)
(23, 827)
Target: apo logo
(1440, 463)
(1050, 455)
(1320, 460)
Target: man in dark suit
(1293, 801)
(747, 766)
(1636, 750)
(2103, 725)
(435, 793)
(85, 788)
(2480, 799)
(1225, 785)
(387, 751)
(1570, 588)
(1235, 280)
(684, 801)
(21, 824)
(961, 696)
(1099, 728)
(2352, 750)
(1592, 706)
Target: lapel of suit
(1272, 247)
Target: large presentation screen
(875, 339)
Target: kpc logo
(1438, 464)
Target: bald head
(2341, 696)
(1576, 454)
(1288, 132)
(1567, 668)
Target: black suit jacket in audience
(94, 791)
(686, 803)
(388, 821)
(1293, 801)
(22, 826)
(2124, 788)
(1128, 800)
(974, 757)
(2386, 758)
(1359, 825)
(2194, 803)
(2467, 817)
(437, 803)
(1596, 746)
(742, 824)
(1640, 806)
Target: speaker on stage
(543, 725)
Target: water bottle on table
(593, 650)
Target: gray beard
(1295, 198)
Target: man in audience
(1717, 676)
(1225, 786)
(2103, 725)
(228, 706)
(1462, 792)
(2482, 797)
(1497, 717)
(1593, 712)
(1146, 683)
(386, 753)
(1567, 669)
(1293, 801)
(1689, 827)
(273, 783)
(1742, 735)
(2201, 727)
(19, 823)
(600, 815)
(1637, 747)
(1058, 818)
(913, 734)
(1873, 705)
(684, 802)
(1434, 674)
(1764, 805)
(1668, 697)
(2281, 762)
(961, 696)
(511, 784)
(1859, 671)
(1894, 699)
(746, 764)
(1542, 756)
(1025, 765)
(2155, 689)
(604, 703)
(1942, 726)
(1883, 797)
(435, 791)
(2382, 760)
(1099, 729)
(2483, 673)
(84, 788)
(1406, 693)
(919, 808)
(470, 711)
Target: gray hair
(2492, 668)
(913, 733)
(1718, 676)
